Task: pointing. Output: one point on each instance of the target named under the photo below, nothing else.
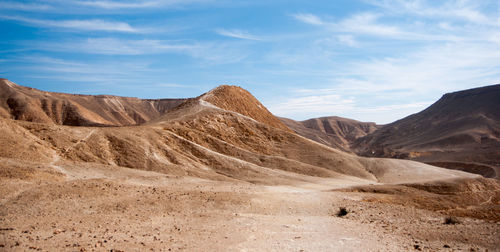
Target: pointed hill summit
(237, 99)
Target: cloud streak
(308, 18)
(85, 25)
(25, 6)
(362, 23)
(457, 10)
(114, 46)
(120, 4)
(146, 4)
(215, 53)
(239, 34)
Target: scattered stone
(342, 212)
(451, 220)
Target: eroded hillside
(29, 104)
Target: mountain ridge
(334, 131)
(461, 127)
(30, 104)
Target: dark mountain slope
(461, 130)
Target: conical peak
(223, 90)
(237, 99)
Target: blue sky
(370, 60)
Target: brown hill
(336, 132)
(460, 131)
(29, 104)
(239, 100)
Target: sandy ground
(123, 209)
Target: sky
(369, 60)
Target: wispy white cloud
(465, 10)
(25, 6)
(103, 6)
(114, 46)
(366, 23)
(336, 105)
(215, 53)
(233, 33)
(134, 4)
(308, 18)
(110, 71)
(377, 25)
(308, 103)
(436, 68)
(312, 104)
(348, 40)
(88, 25)
(362, 23)
(120, 4)
(170, 85)
(75, 67)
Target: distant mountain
(29, 104)
(460, 131)
(336, 132)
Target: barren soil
(130, 210)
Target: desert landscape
(219, 172)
